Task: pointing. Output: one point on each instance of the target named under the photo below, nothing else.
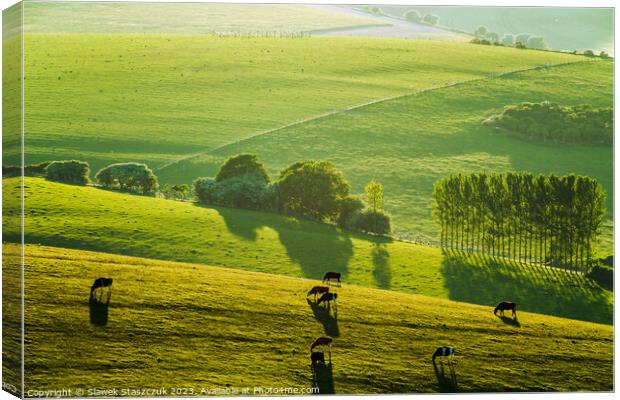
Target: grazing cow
(331, 275)
(444, 351)
(317, 290)
(322, 341)
(102, 283)
(506, 305)
(317, 356)
(327, 297)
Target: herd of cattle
(322, 343)
(325, 342)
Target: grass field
(410, 142)
(95, 219)
(563, 28)
(117, 17)
(156, 98)
(195, 326)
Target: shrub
(175, 191)
(72, 171)
(493, 37)
(522, 38)
(413, 16)
(508, 39)
(349, 206)
(588, 53)
(602, 274)
(128, 176)
(242, 164)
(370, 221)
(312, 189)
(29, 170)
(430, 19)
(604, 54)
(481, 31)
(550, 122)
(247, 191)
(536, 42)
(203, 190)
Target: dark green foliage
(203, 190)
(175, 191)
(543, 219)
(602, 274)
(588, 53)
(29, 170)
(370, 221)
(312, 189)
(413, 16)
(246, 191)
(242, 164)
(349, 206)
(430, 19)
(72, 171)
(550, 122)
(480, 41)
(128, 176)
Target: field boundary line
(366, 104)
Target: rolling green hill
(196, 326)
(159, 98)
(94, 219)
(410, 142)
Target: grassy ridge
(182, 18)
(410, 142)
(183, 325)
(94, 219)
(158, 98)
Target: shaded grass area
(157, 98)
(409, 143)
(187, 325)
(94, 219)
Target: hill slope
(94, 219)
(410, 142)
(182, 325)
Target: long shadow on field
(381, 262)
(510, 321)
(323, 378)
(325, 317)
(539, 289)
(98, 311)
(447, 383)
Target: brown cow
(332, 275)
(322, 341)
(317, 290)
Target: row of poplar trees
(547, 219)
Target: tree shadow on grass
(381, 262)
(325, 317)
(323, 378)
(535, 288)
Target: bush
(312, 189)
(588, 53)
(370, 222)
(604, 54)
(242, 164)
(536, 42)
(247, 191)
(602, 274)
(29, 170)
(349, 206)
(481, 31)
(508, 40)
(128, 176)
(72, 171)
(550, 122)
(175, 191)
(492, 37)
(430, 19)
(203, 190)
(413, 16)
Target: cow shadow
(510, 321)
(325, 317)
(323, 378)
(98, 310)
(446, 380)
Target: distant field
(409, 143)
(563, 28)
(95, 219)
(156, 99)
(175, 18)
(193, 326)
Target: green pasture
(563, 28)
(188, 18)
(160, 98)
(95, 219)
(410, 142)
(177, 325)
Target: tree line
(311, 189)
(547, 219)
(550, 122)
